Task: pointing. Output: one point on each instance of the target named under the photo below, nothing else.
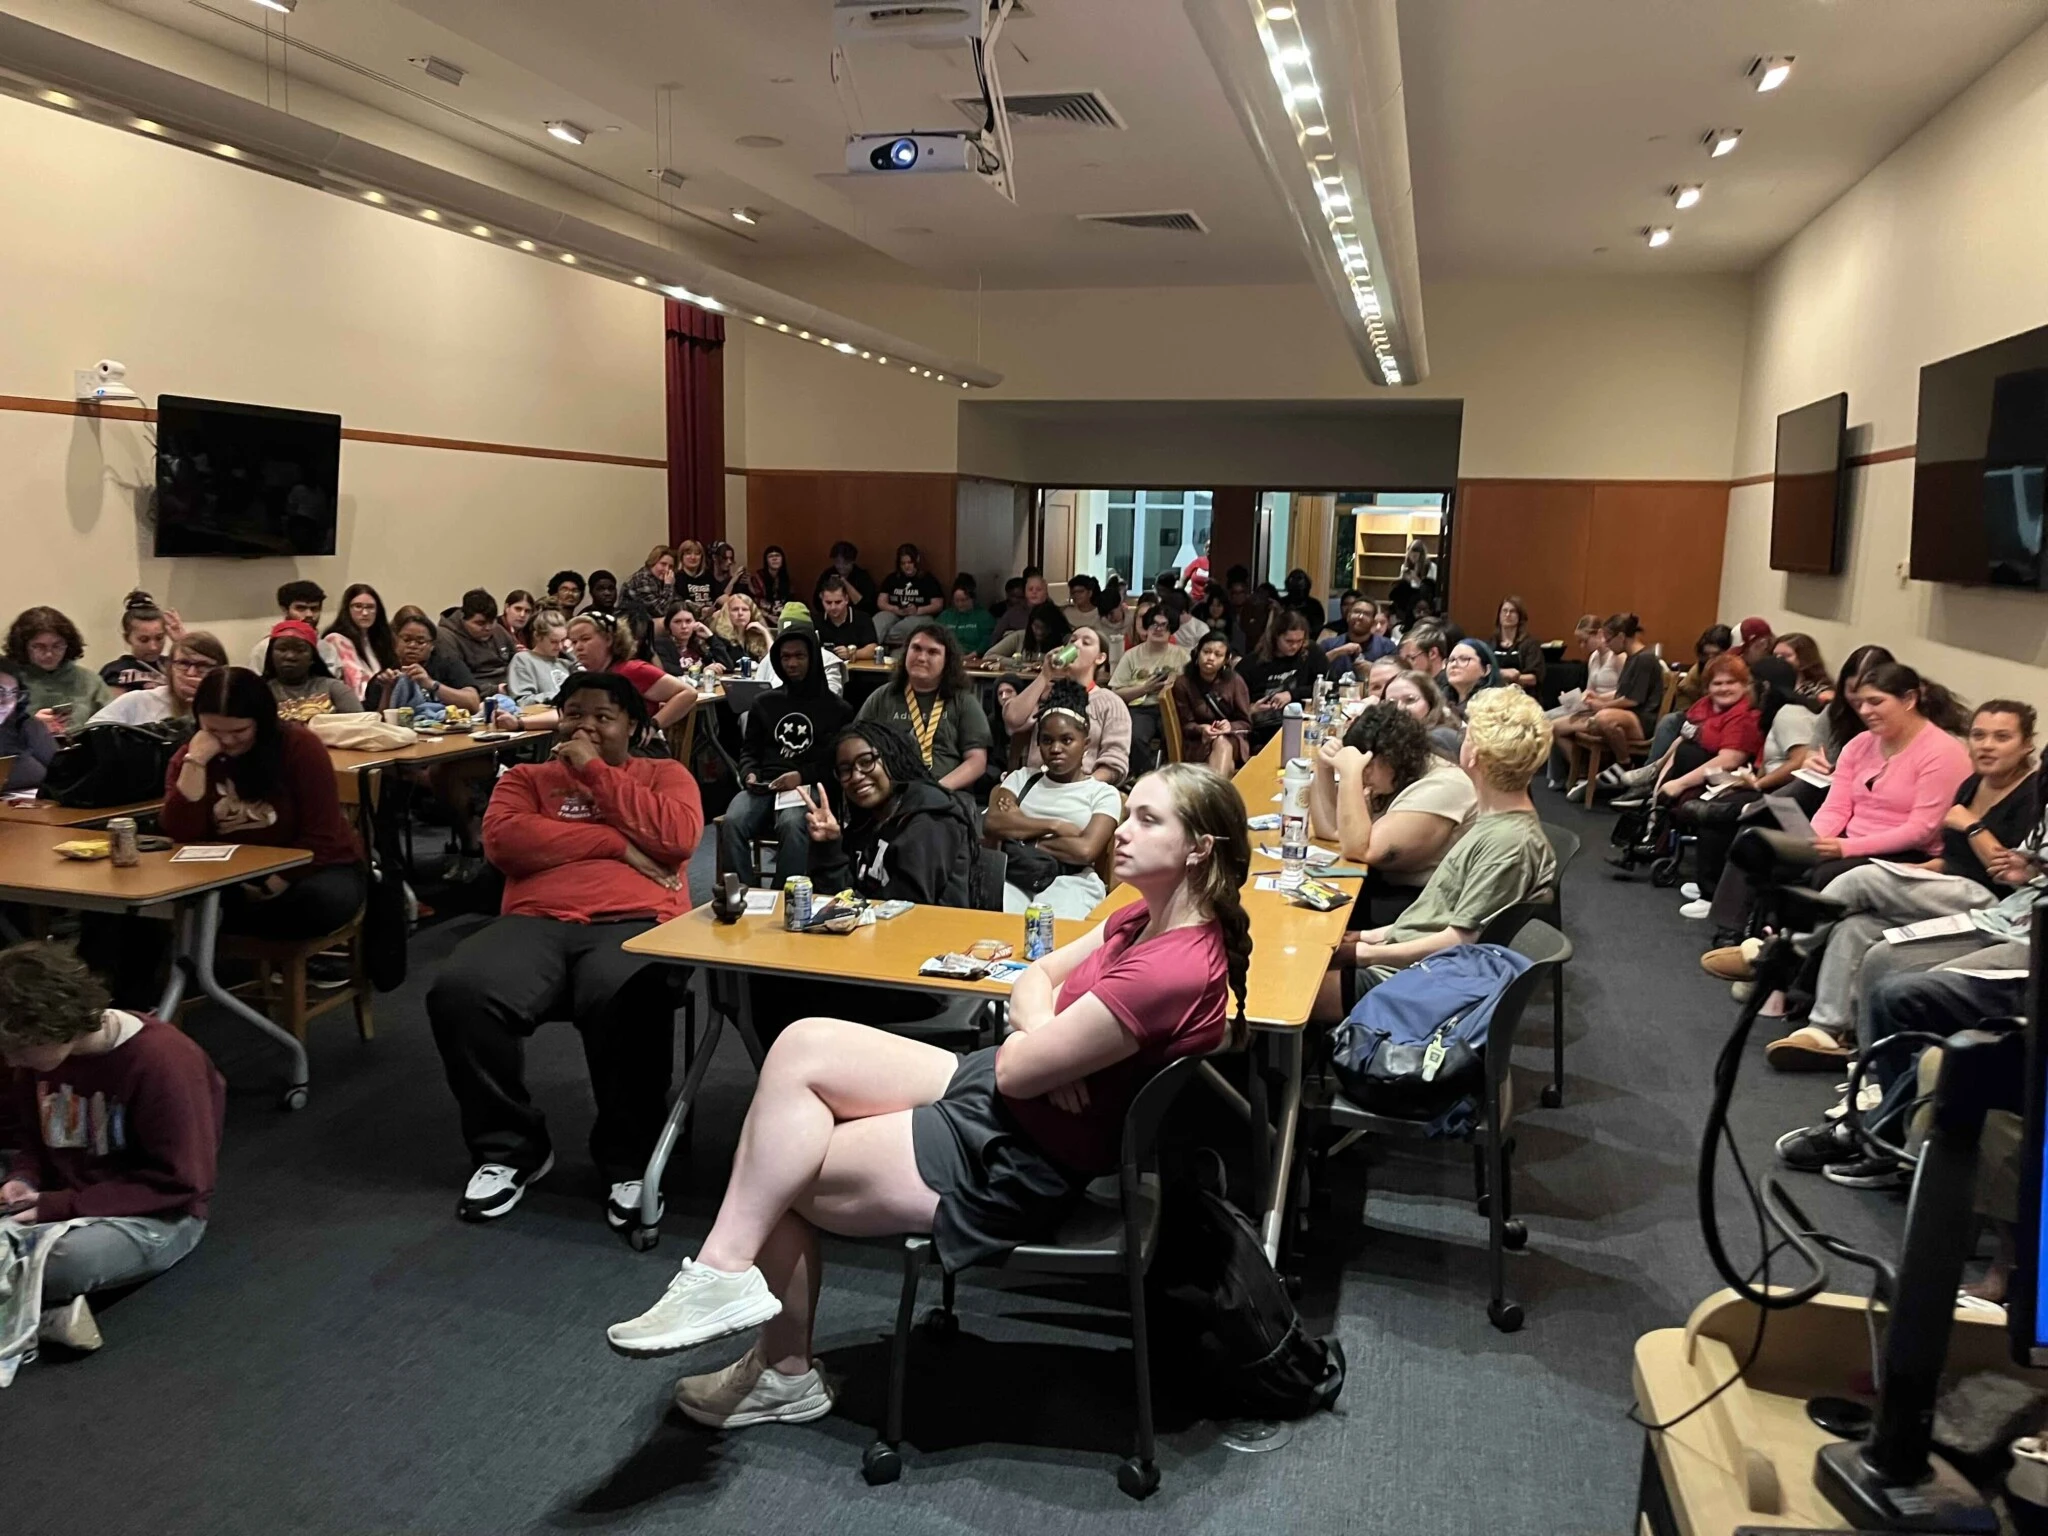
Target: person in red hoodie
(116, 1122)
(593, 845)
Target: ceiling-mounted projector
(893, 152)
(874, 21)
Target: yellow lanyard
(924, 727)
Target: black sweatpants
(513, 975)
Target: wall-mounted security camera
(893, 152)
(102, 382)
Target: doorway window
(1150, 531)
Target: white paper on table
(1987, 975)
(1910, 872)
(788, 799)
(1810, 776)
(204, 853)
(761, 903)
(1790, 817)
(1931, 928)
(1316, 855)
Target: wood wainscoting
(1567, 547)
(807, 511)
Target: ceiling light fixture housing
(441, 69)
(1317, 88)
(1656, 236)
(1722, 141)
(283, 7)
(566, 131)
(1770, 72)
(1687, 196)
(745, 216)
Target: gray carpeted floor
(341, 1355)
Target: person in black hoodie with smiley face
(787, 745)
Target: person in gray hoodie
(472, 635)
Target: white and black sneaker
(1691, 890)
(495, 1188)
(622, 1206)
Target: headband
(1069, 711)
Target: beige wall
(1937, 251)
(1610, 379)
(208, 279)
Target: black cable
(1756, 1344)
(1861, 1134)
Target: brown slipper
(1729, 963)
(1808, 1049)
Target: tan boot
(71, 1325)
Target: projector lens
(896, 155)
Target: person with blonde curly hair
(1502, 860)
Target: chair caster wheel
(642, 1239)
(1139, 1479)
(1504, 1315)
(295, 1098)
(1664, 874)
(1552, 1097)
(942, 1325)
(1483, 1204)
(1514, 1236)
(881, 1463)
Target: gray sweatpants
(1878, 899)
(101, 1252)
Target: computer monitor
(2026, 1297)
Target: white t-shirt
(1444, 789)
(1072, 895)
(1793, 726)
(145, 706)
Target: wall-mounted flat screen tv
(1809, 488)
(244, 480)
(1981, 456)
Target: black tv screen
(1808, 488)
(244, 480)
(1980, 458)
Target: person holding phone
(1283, 672)
(118, 1117)
(1213, 707)
(43, 648)
(1145, 671)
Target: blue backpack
(1413, 1047)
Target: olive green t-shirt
(1502, 859)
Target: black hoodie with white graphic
(790, 728)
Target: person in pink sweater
(1894, 783)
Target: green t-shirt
(961, 729)
(974, 629)
(1502, 859)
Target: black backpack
(1224, 1318)
(115, 764)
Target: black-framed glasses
(864, 763)
(200, 665)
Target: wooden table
(48, 813)
(1747, 1457)
(32, 872)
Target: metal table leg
(174, 986)
(1274, 1220)
(196, 933)
(648, 1233)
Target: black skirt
(996, 1188)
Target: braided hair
(1210, 806)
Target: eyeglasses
(200, 666)
(864, 763)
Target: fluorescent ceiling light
(284, 6)
(430, 215)
(1293, 55)
(1316, 131)
(1770, 73)
(1685, 197)
(569, 257)
(526, 245)
(639, 282)
(745, 216)
(1657, 235)
(1305, 93)
(479, 229)
(1279, 12)
(373, 196)
(567, 132)
(1722, 141)
(58, 99)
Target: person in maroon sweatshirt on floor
(114, 1122)
(593, 845)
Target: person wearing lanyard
(927, 695)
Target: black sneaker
(1871, 1172)
(329, 972)
(1635, 800)
(495, 1188)
(1815, 1147)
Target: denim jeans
(752, 814)
(101, 1252)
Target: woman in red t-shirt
(865, 1133)
(1722, 731)
(602, 647)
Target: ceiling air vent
(1047, 109)
(1181, 220)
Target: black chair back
(1544, 948)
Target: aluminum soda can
(1037, 931)
(796, 902)
(121, 840)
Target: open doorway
(1134, 534)
(1351, 538)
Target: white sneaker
(71, 1325)
(700, 1304)
(1696, 909)
(495, 1188)
(622, 1206)
(1868, 1097)
(1576, 788)
(747, 1392)
(1691, 890)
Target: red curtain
(694, 349)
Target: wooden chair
(1169, 727)
(1672, 678)
(1105, 862)
(281, 976)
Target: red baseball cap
(297, 629)
(1754, 629)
